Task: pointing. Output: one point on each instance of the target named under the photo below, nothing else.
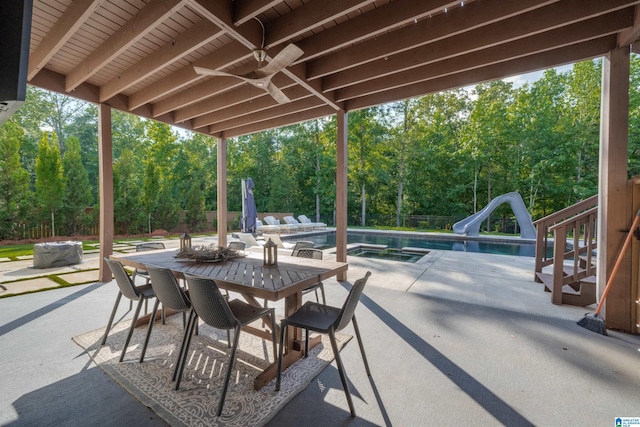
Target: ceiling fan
(261, 78)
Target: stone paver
(30, 285)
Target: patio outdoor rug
(196, 401)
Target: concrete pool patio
(457, 338)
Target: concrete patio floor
(455, 339)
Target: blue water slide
(470, 226)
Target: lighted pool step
(416, 250)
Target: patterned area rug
(195, 403)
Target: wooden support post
(222, 192)
(614, 210)
(105, 159)
(341, 190)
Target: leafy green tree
(583, 125)
(50, 180)
(366, 155)
(15, 196)
(150, 192)
(77, 191)
(195, 216)
(128, 211)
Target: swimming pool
(439, 242)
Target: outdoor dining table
(249, 277)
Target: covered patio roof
(138, 56)
(155, 59)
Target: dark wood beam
(74, 17)
(291, 119)
(458, 21)
(148, 18)
(261, 103)
(560, 37)
(541, 61)
(221, 58)
(293, 107)
(495, 34)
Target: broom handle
(618, 262)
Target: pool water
(447, 243)
(387, 254)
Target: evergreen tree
(129, 215)
(50, 180)
(15, 196)
(195, 216)
(77, 191)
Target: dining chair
(143, 247)
(237, 245)
(213, 309)
(328, 320)
(170, 294)
(301, 244)
(127, 288)
(313, 254)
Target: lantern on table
(185, 241)
(270, 250)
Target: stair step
(581, 293)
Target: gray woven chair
(129, 290)
(302, 244)
(237, 246)
(214, 310)
(314, 254)
(327, 320)
(143, 247)
(169, 292)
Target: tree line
(448, 153)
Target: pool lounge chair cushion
(295, 223)
(316, 225)
(270, 220)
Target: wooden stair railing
(543, 231)
(582, 230)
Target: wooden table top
(246, 275)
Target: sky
(532, 77)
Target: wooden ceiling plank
(145, 20)
(280, 110)
(555, 39)
(458, 21)
(55, 82)
(195, 94)
(291, 119)
(73, 18)
(632, 34)
(308, 16)
(480, 38)
(541, 61)
(244, 10)
(192, 39)
(221, 14)
(221, 58)
(239, 110)
(378, 21)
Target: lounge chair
(301, 227)
(316, 225)
(282, 228)
(262, 228)
(276, 239)
(249, 240)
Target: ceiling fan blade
(209, 72)
(277, 94)
(281, 60)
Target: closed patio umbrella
(249, 213)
